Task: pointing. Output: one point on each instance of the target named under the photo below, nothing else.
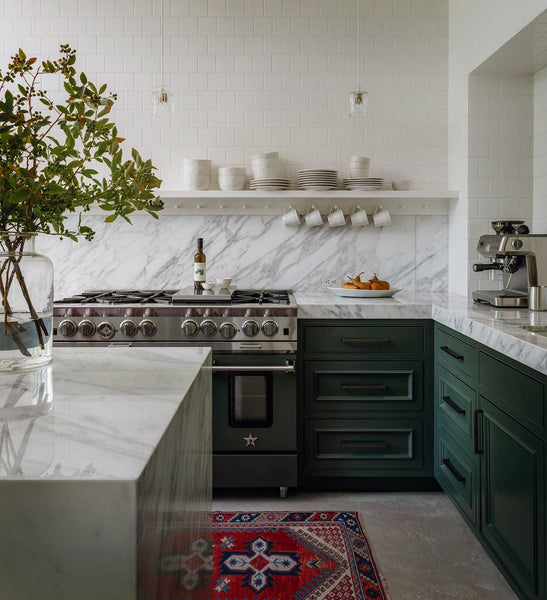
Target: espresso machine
(522, 259)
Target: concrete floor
(423, 547)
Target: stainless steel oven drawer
(256, 470)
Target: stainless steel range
(253, 335)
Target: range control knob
(87, 328)
(129, 328)
(270, 328)
(227, 330)
(67, 328)
(250, 328)
(105, 330)
(208, 328)
(147, 327)
(189, 328)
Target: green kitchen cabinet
(490, 453)
(366, 400)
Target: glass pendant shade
(163, 104)
(358, 103)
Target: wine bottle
(200, 265)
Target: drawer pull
(453, 405)
(458, 476)
(381, 386)
(452, 353)
(365, 340)
(364, 444)
(477, 427)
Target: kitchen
(250, 77)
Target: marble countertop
(497, 328)
(97, 413)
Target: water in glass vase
(26, 310)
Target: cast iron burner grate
(120, 297)
(260, 297)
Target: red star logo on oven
(250, 440)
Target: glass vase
(26, 310)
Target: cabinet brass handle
(453, 405)
(364, 444)
(452, 353)
(365, 340)
(381, 386)
(459, 477)
(477, 431)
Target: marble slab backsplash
(256, 251)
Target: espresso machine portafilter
(522, 259)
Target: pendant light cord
(161, 44)
(358, 47)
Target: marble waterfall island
(93, 483)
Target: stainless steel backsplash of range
(253, 336)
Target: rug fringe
(381, 577)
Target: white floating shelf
(245, 202)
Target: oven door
(254, 420)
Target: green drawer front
(453, 352)
(363, 385)
(347, 446)
(455, 403)
(457, 472)
(519, 395)
(365, 339)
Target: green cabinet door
(512, 499)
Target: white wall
(540, 152)
(253, 75)
(490, 129)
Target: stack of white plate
(363, 183)
(270, 184)
(317, 179)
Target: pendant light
(163, 105)
(358, 98)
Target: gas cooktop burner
(260, 297)
(112, 297)
(120, 297)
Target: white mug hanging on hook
(290, 217)
(381, 217)
(313, 217)
(336, 217)
(359, 217)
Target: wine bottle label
(199, 271)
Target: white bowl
(208, 285)
(401, 186)
(231, 182)
(231, 171)
(224, 283)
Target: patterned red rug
(262, 556)
(293, 556)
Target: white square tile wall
(249, 76)
(279, 69)
(501, 158)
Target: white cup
(313, 217)
(381, 217)
(336, 217)
(231, 178)
(290, 217)
(359, 217)
(358, 171)
(197, 173)
(267, 155)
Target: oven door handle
(288, 368)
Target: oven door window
(251, 399)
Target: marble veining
(256, 251)
(94, 481)
(500, 329)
